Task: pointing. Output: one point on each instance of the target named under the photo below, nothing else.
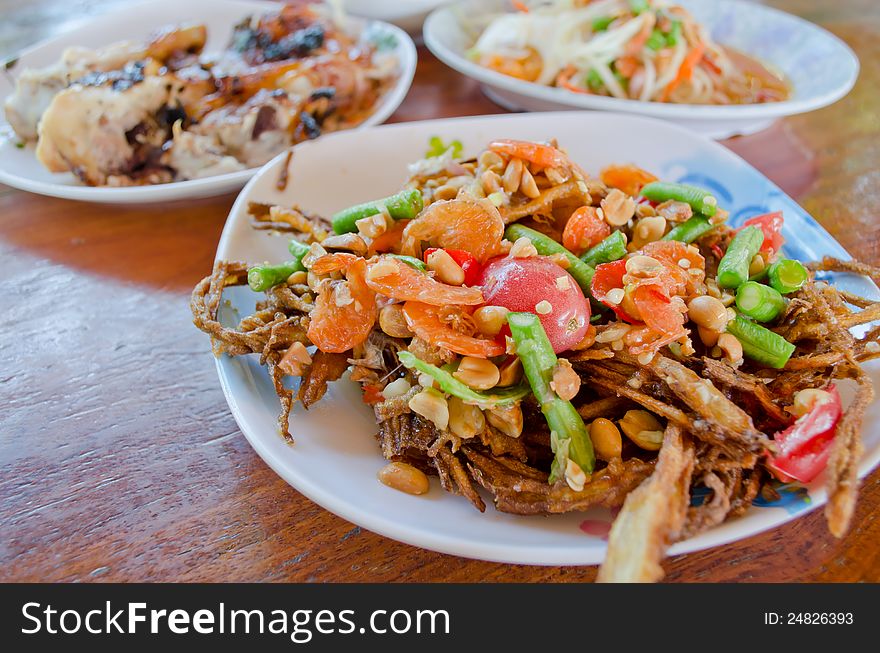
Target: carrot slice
(686, 70)
(584, 229)
(628, 178)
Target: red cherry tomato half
(804, 447)
(521, 284)
(771, 225)
(608, 276)
(473, 271)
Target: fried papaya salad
(557, 341)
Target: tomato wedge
(804, 447)
(607, 277)
(393, 278)
(771, 225)
(424, 320)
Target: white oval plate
(335, 456)
(19, 166)
(821, 67)
(408, 15)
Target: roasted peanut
(404, 477)
(606, 439)
(444, 266)
(708, 312)
(478, 373)
(465, 420)
(490, 319)
(643, 428)
(618, 207)
(805, 400)
(512, 175)
(732, 348)
(510, 372)
(396, 388)
(528, 186)
(575, 477)
(523, 248)
(648, 230)
(507, 419)
(346, 242)
(565, 382)
(431, 405)
(393, 322)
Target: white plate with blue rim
(19, 166)
(335, 457)
(820, 67)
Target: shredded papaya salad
(647, 50)
(561, 341)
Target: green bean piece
(760, 344)
(594, 80)
(567, 430)
(436, 147)
(601, 24)
(411, 261)
(401, 206)
(674, 34)
(787, 276)
(690, 230)
(612, 248)
(451, 385)
(701, 201)
(263, 277)
(297, 249)
(733, 269)
(656, 41)
(759, 302)
(546, 246)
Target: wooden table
(120, 460)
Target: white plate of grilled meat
(334, 455)
(165, 100)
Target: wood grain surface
(119, 460)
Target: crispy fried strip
(324, 369)
(843, 464)
(831, 264)
(521, 490)
(705, 399)
(544, 202)
(819, 328)
(266, 330)
(455, 479)
(652, 516)
(282, 218)
(714, 511)
(747, 383)
(602, 408)
(855, 300)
